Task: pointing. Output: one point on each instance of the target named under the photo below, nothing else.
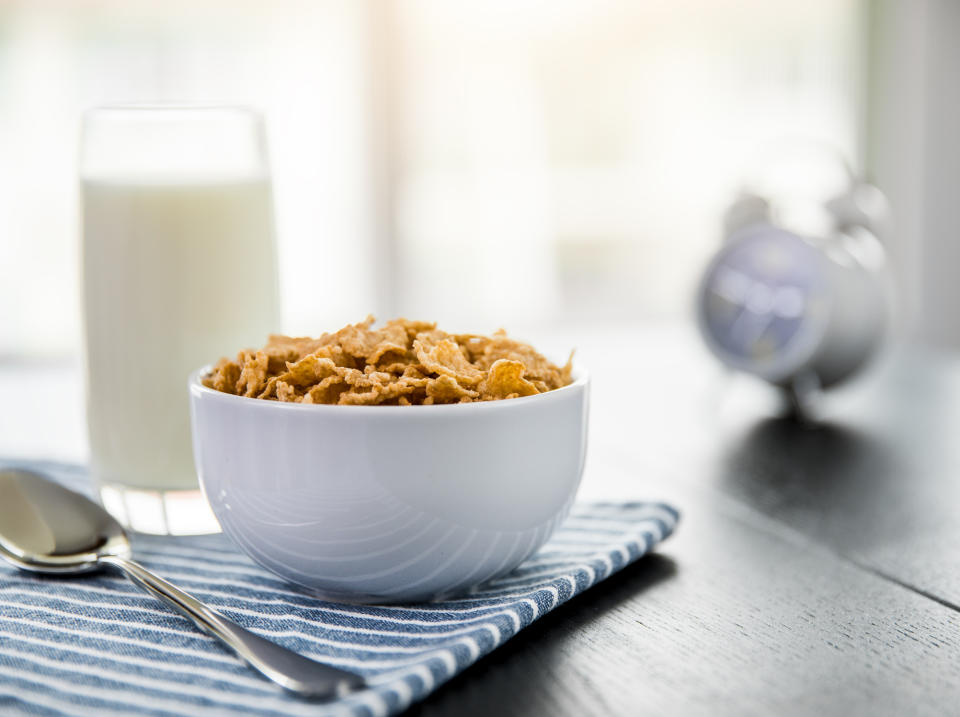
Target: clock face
(761, 296)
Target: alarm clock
(795, 307)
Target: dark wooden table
(816, 569)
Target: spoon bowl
(45, 528)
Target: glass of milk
(179, 269)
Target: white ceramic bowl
(390, 503)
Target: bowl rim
(581, 379)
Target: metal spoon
(46, 528)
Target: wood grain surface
(815, 571)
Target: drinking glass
(179, 269)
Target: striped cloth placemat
(98, 645)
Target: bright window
(499, 163)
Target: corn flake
(505, 380)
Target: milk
(177, 273)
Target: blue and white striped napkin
(98, 645)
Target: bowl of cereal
(389, 464)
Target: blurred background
(542, 163)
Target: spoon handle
(295, 672)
